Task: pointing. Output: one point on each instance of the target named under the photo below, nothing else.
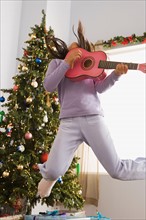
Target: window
(124, 105)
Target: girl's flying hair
(58, 48)
(82, 42)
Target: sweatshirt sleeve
(107, 83)
(55, 73)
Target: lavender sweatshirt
(76, 98)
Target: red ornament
(44, 157)
(28, 135)
(25, 53)
(15, 88)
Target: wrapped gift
(39, 217)
(65, 215)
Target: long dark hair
(58, 48)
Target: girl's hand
(121, 69)
(73, 56)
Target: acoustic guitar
(92, 65)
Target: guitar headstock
(142, 67)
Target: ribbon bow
(101, 217)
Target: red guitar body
(87, 66)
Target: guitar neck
(112, 65)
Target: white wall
(122, 200)
(105, 19)
(31, 14)
(16, 19)
(10, 23)
(58, 17)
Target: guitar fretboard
(112, 65)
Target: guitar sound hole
(87, 63)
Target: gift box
(39, 217)
(57, 215)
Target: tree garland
(120, 41)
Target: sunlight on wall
(124, 105)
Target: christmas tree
(28, 129)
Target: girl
(82, 118)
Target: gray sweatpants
(93, 131)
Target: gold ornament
(47, 99)
(19, 67)
(33, 36)
(29, 100)
(34, 83)
(16, 106)
(2, 147)
(5, 174)
(20, 167)
(24, 68)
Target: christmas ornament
(48, 101)
(45, 119)
(21, 148)
(60, 180)
(2, 113)
(34, 83)
(38, 60)
(39, 128)
(16, 106)
(9, 130)
(3, 147)
(5, 174)
(20, 167)
(28, 135)
(2, 99)
(15, 88)
(47, 97)
(56, 100)
(33, 36)
(19, 67)
(80, 192)
(25, 53)
(24, 68)
(29, 100)
(44, 157)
